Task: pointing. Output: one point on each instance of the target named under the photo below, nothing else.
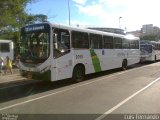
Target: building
(147, 29)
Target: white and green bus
(55, 52)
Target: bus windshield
(34, 46)
(146, 49)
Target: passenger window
(134, 44)
(126, 44)
(117, 43)
(96, 41)
(80, 40)
(108, 42)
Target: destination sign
(34, 28)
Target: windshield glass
(34, 45)
(146, 49)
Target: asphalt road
(111, 94)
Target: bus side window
(117, 43)
(80, 40)
(61, 42)
(125, 44)
(108, 42)
(96, 41)
(4, 47)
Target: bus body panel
(108, 60)
(118, 58)
(61, 67)
(133, 56)
(83, 57)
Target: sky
(129, 14)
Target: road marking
(65, 90)
(126, 100)
(14, 105)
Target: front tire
(78, 73)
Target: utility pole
(69, 12)
(120, 22)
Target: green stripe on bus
(95, 61)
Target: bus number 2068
(79, 56)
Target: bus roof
(5, 41)
(86, 30)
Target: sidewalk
(15, 77)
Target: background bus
(56, 52)
(6, 49)
(150, 50)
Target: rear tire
(124, 65)
(78, 73)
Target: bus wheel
(124, 65)
(78, 73)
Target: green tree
(12, 13)
(149, 37)
(14, 16)
(40, 18)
